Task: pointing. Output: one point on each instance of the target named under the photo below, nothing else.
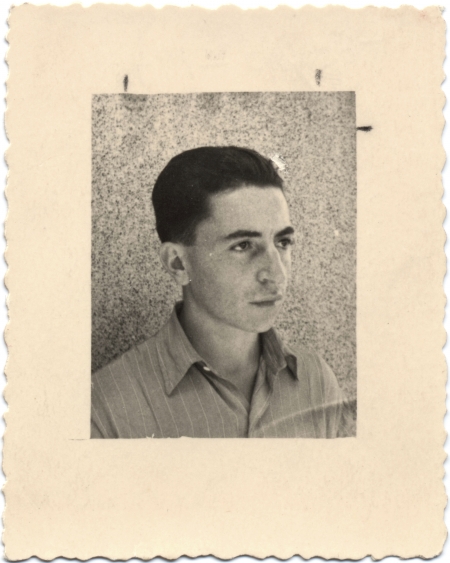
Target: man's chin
(262, 325)
(252, 319)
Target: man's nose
(272, 270)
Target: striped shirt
(163, 389)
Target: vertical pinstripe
(146, 393)
(109, 410)
(135, 394)
(321, 391)
(213, 395)
(193, 385)
(100, 423)
(155, 376)
(181, 395)
(121, 399)
(162, 389)
(308, 380)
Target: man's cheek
(287, 266)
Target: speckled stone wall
(134, 136)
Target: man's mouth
(268, 302)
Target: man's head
(182, 193)
(224, 223)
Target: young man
(217, 368)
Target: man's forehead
(247, 206)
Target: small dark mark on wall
(125, 83)
(365, 128)
(318, 76)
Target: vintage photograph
(225, 223)
(224, 265)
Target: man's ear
(173, 259)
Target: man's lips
(267, 302)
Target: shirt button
(206, 368)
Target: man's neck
(232, 353)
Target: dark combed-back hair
(182, 190)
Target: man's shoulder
(304, 354)
(311, 363)
(130, 362)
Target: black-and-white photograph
(224, 265)
(225, 223)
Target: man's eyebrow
(243, 233)
(286, 231)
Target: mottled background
(134, 136)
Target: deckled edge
(5, 281)
(446, 247)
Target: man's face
(240, 263)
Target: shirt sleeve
(95, 431)
(340, 409)
(347, 424)
(102, 407)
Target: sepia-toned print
(224, 265)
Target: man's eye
(241, 246)
(285, 242)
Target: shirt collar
(176, 354)
(277, 355)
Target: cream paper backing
(380, 493)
